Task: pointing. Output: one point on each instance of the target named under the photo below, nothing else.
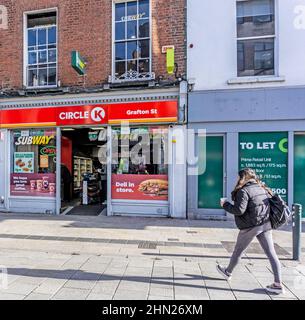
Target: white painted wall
(211, 27)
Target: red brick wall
(86, 25)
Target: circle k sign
(98, 114)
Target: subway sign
(36, 140)
(78, 63)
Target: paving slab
(71, 294)
(98, 258)
(38, 296)
(99, 296)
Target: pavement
(114, 258)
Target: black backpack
(280, 213)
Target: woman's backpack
(280, 213)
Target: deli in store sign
(135, 112)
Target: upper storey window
(132, 40)
(255, 37)
(41, 50)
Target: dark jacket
(251, 207)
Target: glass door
(211, 182)
(299, 170)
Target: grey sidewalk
(134, 258)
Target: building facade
(79, 79)
(247, 80)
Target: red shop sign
(134, 112)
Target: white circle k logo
(98, 114)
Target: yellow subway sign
(78, 63)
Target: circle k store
(74, 157)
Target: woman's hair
(246, 175)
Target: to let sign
(267, 154)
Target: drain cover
(147, 245)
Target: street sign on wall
(78, 63)
(267, 154)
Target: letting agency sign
(267, 154)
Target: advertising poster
(24, 162)
(267, 154)
(33, 185)
(44, 161)
(139, 187)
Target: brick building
(129, 64)
(86, 26)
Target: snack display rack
(81, 166)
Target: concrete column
(290, 168)
(109, 170)
(58, 170)
(178, 172)
(232, 155)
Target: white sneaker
(223, 272)
(275, 289)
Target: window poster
(24, 162)
(267, 154)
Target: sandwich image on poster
(24, 162)
(154, 187)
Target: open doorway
(83, 172)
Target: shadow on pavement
(80, 275)
(206, 256)
(118, 222)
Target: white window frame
(25, 47)
(112, 78)
(275, 37)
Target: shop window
(140, 164)
(41, 50)
(132, 52)
(33, 163)
(255, 37)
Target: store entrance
(83, 171)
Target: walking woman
(251, 210)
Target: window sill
(41, 87)
(252, 80)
